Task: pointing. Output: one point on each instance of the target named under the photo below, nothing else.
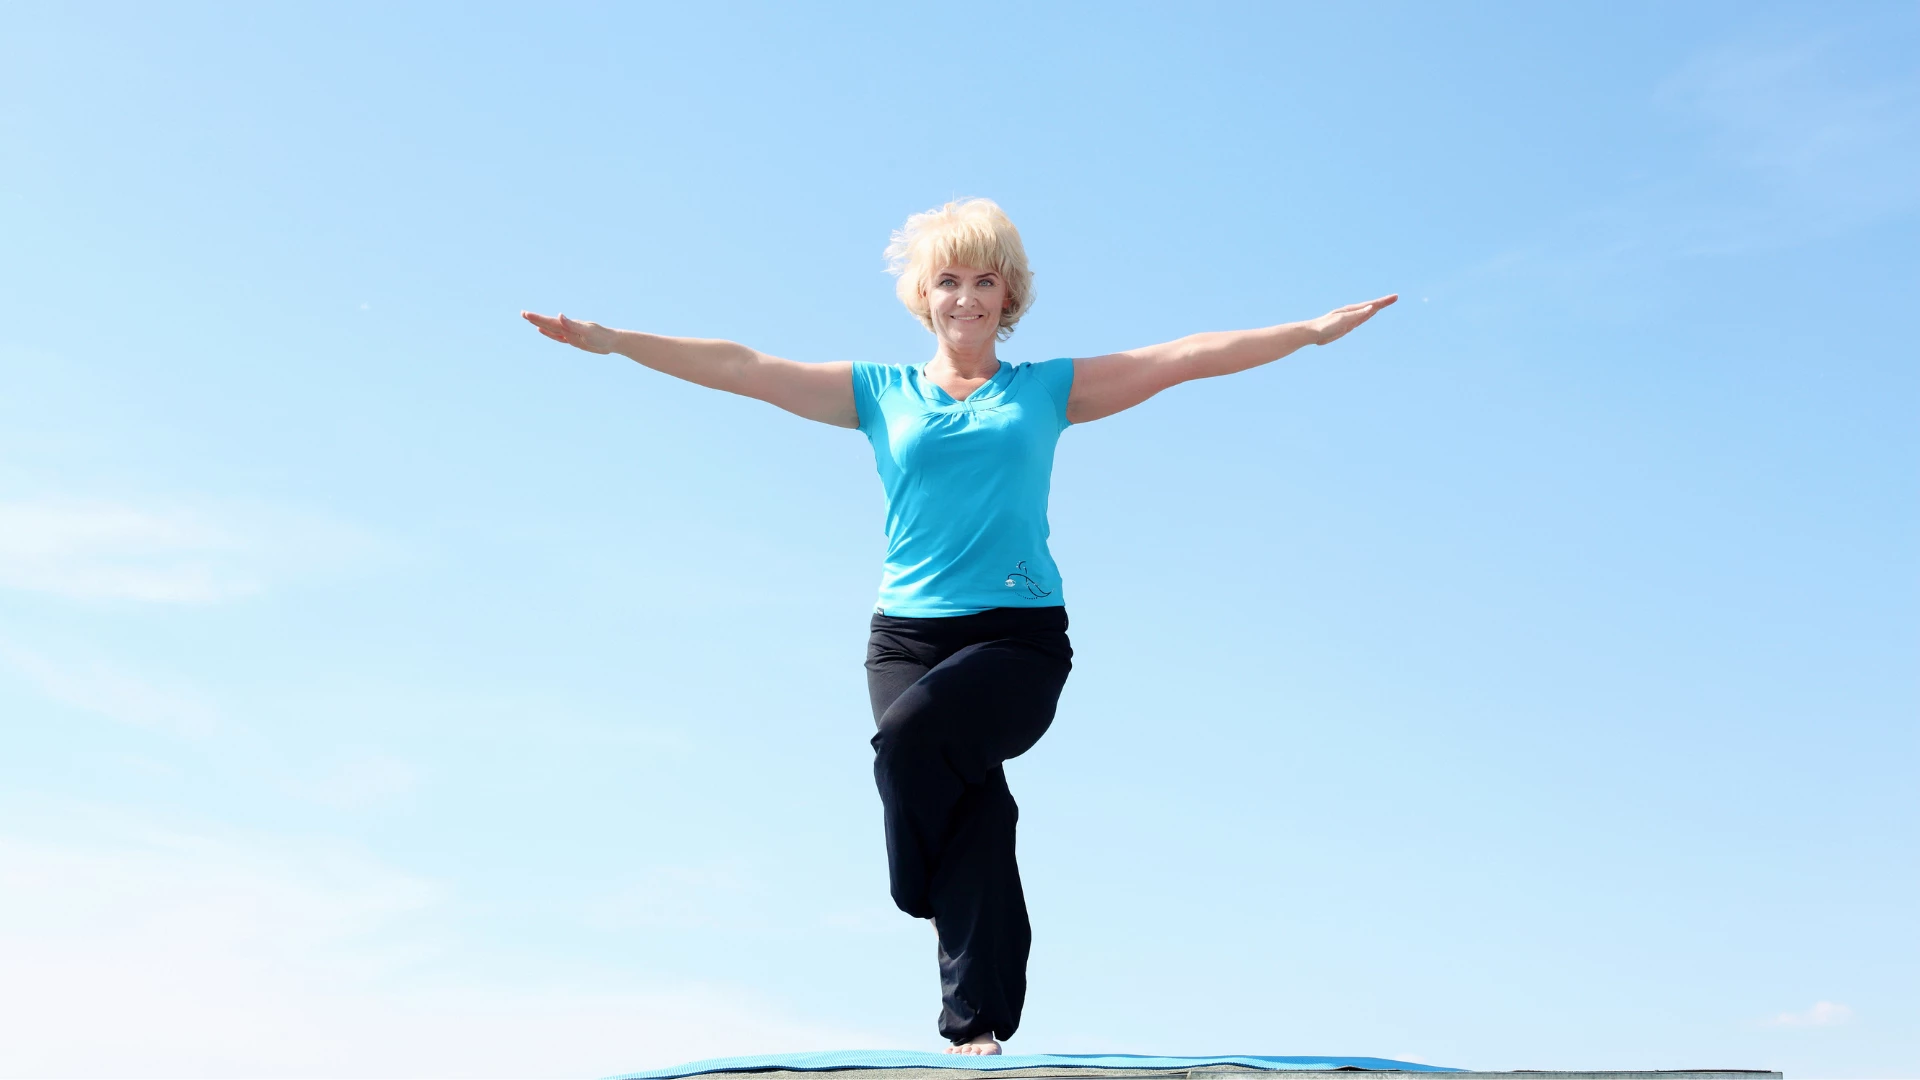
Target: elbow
(741, 371)
(1189, 359)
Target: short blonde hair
(966, 232)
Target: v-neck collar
(946, 400)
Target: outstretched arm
(822, 392)
(1104, 385)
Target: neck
(979, 362)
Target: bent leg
(946, 734)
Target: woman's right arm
(822, 392)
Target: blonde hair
(966, 232)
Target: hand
(1334, 324)
(581, 335)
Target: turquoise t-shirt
(966, 485)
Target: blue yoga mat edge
(819, 1061)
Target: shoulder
(1055, 375)
(1056, 378)
(873, 385)
(879, 376)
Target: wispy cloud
(1797, 113)
(102, 689)
(160, 554)
(167, 954)
(363, 782)
(727, 895)
(1822, 1014)
(716, 895)
(1796, 143)
(95, 550)
(1791, 141)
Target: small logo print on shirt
(1019, 579)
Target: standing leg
(982, 917)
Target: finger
(1371, 305)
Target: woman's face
(966, 302)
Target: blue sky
(1526, 681)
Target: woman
(968, 648)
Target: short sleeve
(869, 382)
(1057, 377)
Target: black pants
(953, 698)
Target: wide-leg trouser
(954, 698)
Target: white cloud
(97, 688)
(168, 955)
(1822, 1014)
(109, 550)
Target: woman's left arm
(1104, 385)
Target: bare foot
(982, 1043)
